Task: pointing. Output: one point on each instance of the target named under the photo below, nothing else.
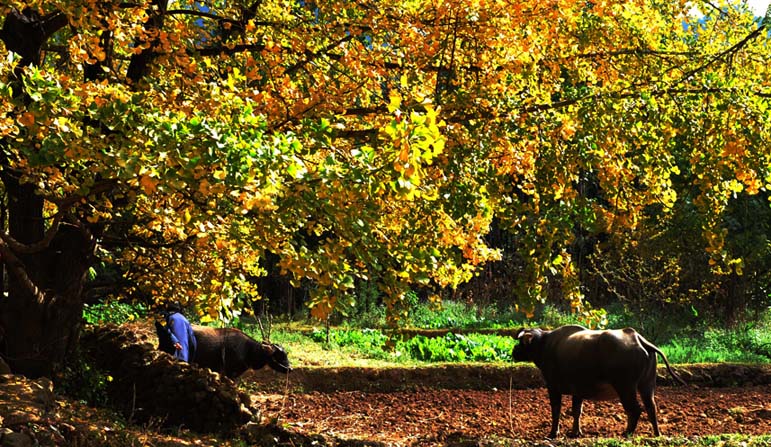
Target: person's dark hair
(174, 306)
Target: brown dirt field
(442, 404)
(429, 416)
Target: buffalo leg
(647, 396)
(555, 399)
(578, 404)
(628, 397)
(224, 368)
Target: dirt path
(429, 416)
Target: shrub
(373, 343)
(458, 314)
(113, 312)
(458, 348)
(552, 317)
(369, 342)
(745, 345)
(83, 381)
(449, 314)
(433, 349)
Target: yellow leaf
(735, 186)
(322, 310)
(395, 100)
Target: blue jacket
(182, 332)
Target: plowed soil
(425, 417)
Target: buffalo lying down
(595, 365)
(231, 352)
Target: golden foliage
(377, 141)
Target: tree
(353, 141)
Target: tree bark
(41, 323)
(41, 310)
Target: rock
(43, 390)
(48, 436)
(22, 416)
(150, 385)
(272, 434)
(14, 439)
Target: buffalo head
(278, 359)
(526, 348)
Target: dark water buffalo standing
(231, 352)
(595, 365)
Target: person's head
(174, 307)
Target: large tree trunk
(41, 323)
(41, 310)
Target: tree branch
(727, 53)
(38, 246)
(17, 269)
(25, 32)
(227, 50)
(215, 17)
(633, 52)
(139, 62)
(133, 241)
(311, 56)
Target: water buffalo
(231, 352)
(595, 365)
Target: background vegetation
(469, 334)
(312, 155)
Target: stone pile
(24, 408)
(151, 386)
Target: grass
(357, 347)
(683, 338)
(372, 347)
(304, 351)
(682, 343)
(742, 345)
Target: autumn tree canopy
(362, 141)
